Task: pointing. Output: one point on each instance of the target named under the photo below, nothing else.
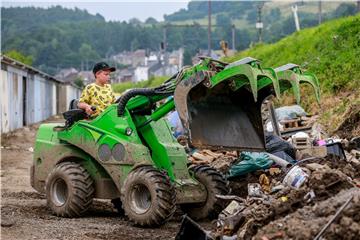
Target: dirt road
(24, 214)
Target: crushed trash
(295, 177)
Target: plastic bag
(289, 112)
(276, 144)
(250, 162)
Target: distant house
(123, 58)
(67, 74)
(168, 70)
(141, 73)
(133, 59)
(154, 68)
(87, 76)
(176, 58)
(138, 58)
(126, 75)
(145, 65)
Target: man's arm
(86, 107)
(84, 99)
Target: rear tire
(69, 190)
(215, 184)
(148, 197)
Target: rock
(314, 166)
(355, 153)
(274, 171)
(202, 157)
(7, 222)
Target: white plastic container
(295, 178)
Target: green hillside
(331, 51)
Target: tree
(135, 44)
(28, 60)
(79, 81)
(134, 21)
(151, 20)
(345, 9)
(223, 20)
(87, 53)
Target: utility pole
(259, 23)
(209, 28)
(164, 38)
(233, 36)
(320, 12)
(294, 8)
(358, 6)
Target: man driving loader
(98, 94)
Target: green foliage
(20, 57)
(151, 20)
(79, 81)
(199, 9)
(152, 82)
(331, 51)
(345, 9)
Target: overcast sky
(113, 10)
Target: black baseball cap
(102, 66)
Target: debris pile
(273, 205)
(306, 185)
(219, 160)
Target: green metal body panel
(50, 150)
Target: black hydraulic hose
(130, 94)
(123, 100)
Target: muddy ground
(24, 214)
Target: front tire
(215, 184)
(148, 197)
(69, 190)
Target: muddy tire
(148, 197)
(69, 190)
(215, 184)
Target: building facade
(29, 95)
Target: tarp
(250, 162)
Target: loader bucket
(191, 230)
(223, 111)
(291, 76)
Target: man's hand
(89, 110)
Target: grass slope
(332, 52)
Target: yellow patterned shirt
(98, 96)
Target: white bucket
(295, 177)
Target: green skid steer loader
(128, 152)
